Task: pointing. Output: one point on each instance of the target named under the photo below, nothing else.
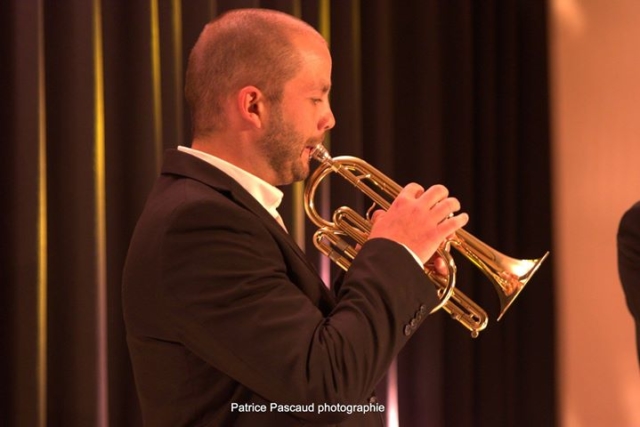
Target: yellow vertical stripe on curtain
(213, 9)
(357, 40)
(157, 83)
(324, 26)
(296, 8)
(42, 229)
(100, 219)
(176, 9)
(324, 23)
(297, 216)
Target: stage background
(457, 92)
(596, 148)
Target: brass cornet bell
(338, 239)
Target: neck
(237, 151)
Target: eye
(316, 101)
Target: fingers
(376, 215)
(434, 193)
(419, 219)
(453, 224)
(446, 208)
(439, 265)
(412, 191)
(435, 198)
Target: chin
(301, 172)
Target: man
(629, 263)
(227, 323)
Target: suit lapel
(184, 164)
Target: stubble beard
(282, 146)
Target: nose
(327, 121)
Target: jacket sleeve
(629, 259)
(232, 299)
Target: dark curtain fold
(432, 91)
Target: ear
(251, 105)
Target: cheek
(303, 116)
(303, 119)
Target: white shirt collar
(266, 194)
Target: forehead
(315, 73)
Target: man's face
(302, 118)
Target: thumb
(377, 214)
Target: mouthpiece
(321, 154)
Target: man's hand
(421, 220)
(438, 264)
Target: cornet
(338, 239)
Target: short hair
(240, 48)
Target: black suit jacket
(629, 263)
(223, 309)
